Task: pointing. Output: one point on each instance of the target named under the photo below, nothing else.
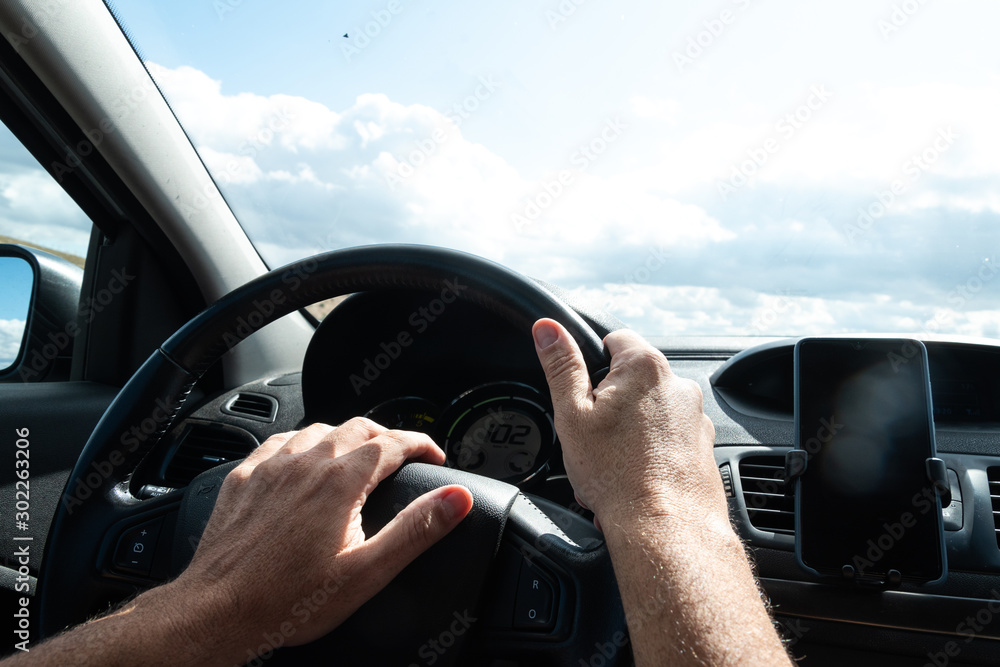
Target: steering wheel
(519, 578)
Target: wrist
(681, 500)
(200, 624)
(687, 521)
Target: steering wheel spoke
(138, 547)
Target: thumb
(565, 369)
(414, 530)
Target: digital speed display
(500, 444)
(503, 431)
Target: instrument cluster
(469, 379)
(502, 430)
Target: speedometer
(502, 430)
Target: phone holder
(796, 462)
(937, 473)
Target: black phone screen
(863, 418)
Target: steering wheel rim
(97, 495)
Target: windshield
(736, 167)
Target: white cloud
(231, 168)
(434, 185)
(245, 123)
(34, 208)
(773, 258)
(859, 139)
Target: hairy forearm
(688, 591)
(163, 626)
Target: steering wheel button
(136, 546)
(533, 609)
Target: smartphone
(865, 506)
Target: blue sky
(749, 150)
(17, 279)
(578, 69)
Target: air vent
(769, 507)
(204, 446)
(252, 406)
(993, 475)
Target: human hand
(284, 550)
(640, 441)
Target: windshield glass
(736, 167)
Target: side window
(34, 210)
(43, 245)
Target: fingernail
(455, 503)
(545, 334)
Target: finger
(305, 439)
(268, 449)
(565, 369)
(634, 362)
(623, 343)
(694, 392)
(579, 501)
(429, 451)
(280, 444)
(415, 529)
(345, 438)
(382, 455)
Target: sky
(737, 167)
(33, 206)
(17, 279)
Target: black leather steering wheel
(491, 568)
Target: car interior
(152, 365)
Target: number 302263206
(22, 551)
